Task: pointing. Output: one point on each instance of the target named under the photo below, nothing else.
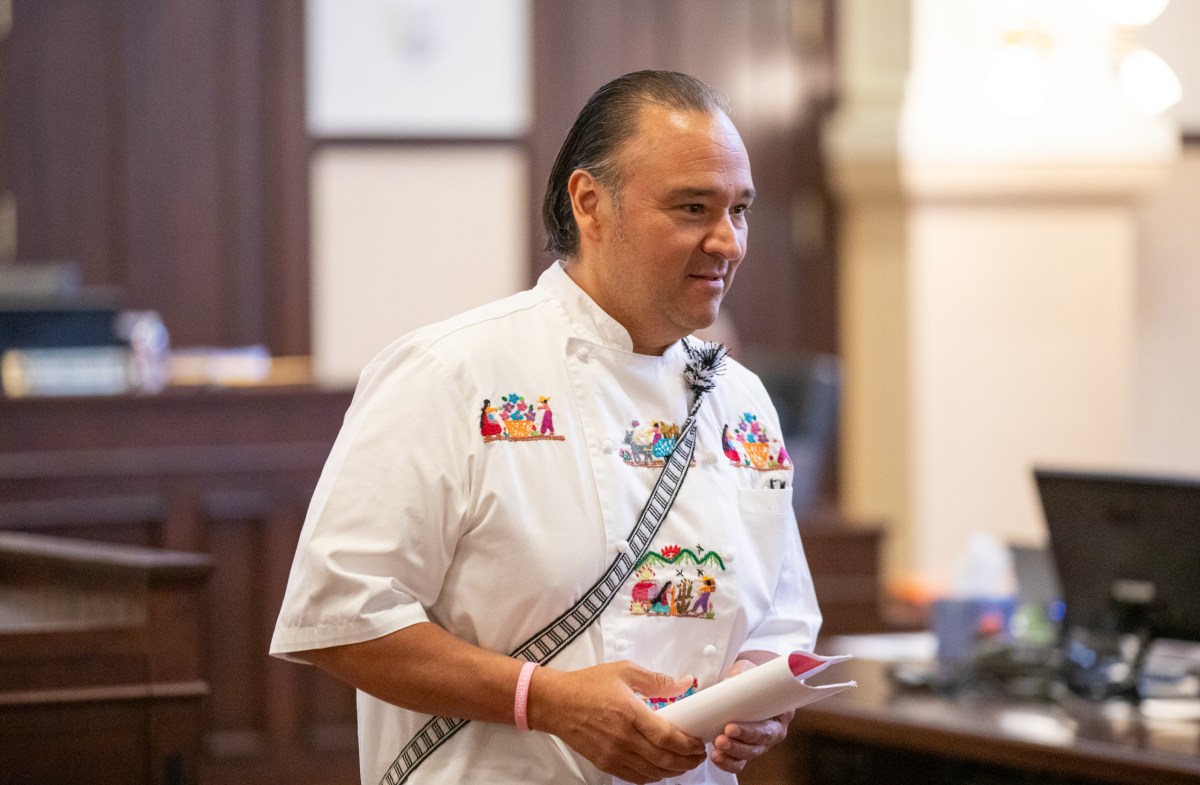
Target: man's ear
(587, 198)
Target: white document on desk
(757, 694)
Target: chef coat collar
(586, 315)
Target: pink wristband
(521, 702)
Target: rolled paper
(765, 691)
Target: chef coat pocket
(756, 502)
(766, 517)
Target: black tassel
(706, 361)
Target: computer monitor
(1125, 546)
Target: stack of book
(58, 337)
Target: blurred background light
(1148, 83)
(1017, 80)
(1130, 13)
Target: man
(448, 529)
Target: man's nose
(725, 240)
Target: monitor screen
(1125, 541)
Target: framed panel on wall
(396, 69)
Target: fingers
(662, 735)
(654, 753)
(664, 750)
(654, 685)
(742, 742)
(657, 730)
(598, 715)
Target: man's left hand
(742, 742)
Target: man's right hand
(598, 714)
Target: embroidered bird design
(727, 446)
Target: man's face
(668, 247)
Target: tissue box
(962, 625)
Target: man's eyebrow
(701, 193)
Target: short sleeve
(387, 512)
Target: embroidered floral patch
(749, 446)
(676, 582)
(514, 420)
(649, 444)
(658, 703)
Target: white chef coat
(419, 516)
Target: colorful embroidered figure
(649, 445)
(487, 423)
(680, 596)
(640, 439)
(668, 435)
(703, 605)
(749, 446)
(547, 415)
(518, 421)
(661, 604)
(644, 591)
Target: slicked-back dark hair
(608, 120)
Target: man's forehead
(659, 119)
(660, 127)
(674, 139)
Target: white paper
(758, 694)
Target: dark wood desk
(883, 734)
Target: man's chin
(706, 328)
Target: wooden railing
(100, 662)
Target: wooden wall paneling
(610, 39)
(8, 62)
(552, 109)
(60, 131)
(92, 732)
(282, 679)
(329, 714)
(236, 723)
(172, 207)
(287, 301)
(240, 62)
(183, 527)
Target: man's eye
(741, 209)
(694, 209)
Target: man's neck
(641, 345)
